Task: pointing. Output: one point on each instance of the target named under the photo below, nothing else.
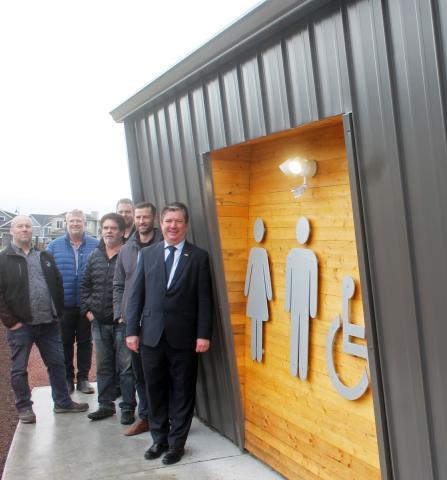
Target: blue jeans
(113, 355)
(47, 338)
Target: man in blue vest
(71, 252)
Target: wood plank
(316, 450)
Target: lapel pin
(186, 254)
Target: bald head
(21, 218)
(22, 231)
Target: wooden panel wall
(304, 430)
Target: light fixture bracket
(299, 166)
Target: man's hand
(90, 316)
(16, 326)
(202, 345)
(133, 343)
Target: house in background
(5, 224)
(41, 228)
(45, 227)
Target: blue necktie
(169, 261)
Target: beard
(145, 230)
(111, 242)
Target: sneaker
(127, 417)
(27, 416)
(75, 407)
(85, 387)
(101, 413)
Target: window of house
(59, 224)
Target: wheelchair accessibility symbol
(349, 330)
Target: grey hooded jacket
(125, 268)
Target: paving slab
(70, 446)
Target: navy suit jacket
(183, 311)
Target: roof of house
(42, 219)
(8, 216)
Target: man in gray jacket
(31, 303)
(145, 235)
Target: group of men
(145, 294)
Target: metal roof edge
(264, 18)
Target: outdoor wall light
(302, 167)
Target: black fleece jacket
(14, 286)
(97, 285)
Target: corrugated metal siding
(275, 93)
(420, 107)
(215, 115)
(254, 106)
(385, 60)
(303, 100)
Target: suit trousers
(171, 376)
(140, 385)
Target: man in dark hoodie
(108, 334)
(146, 234)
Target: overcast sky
(65, 65)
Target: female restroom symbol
(258, 289)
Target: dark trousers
(140, 385)
(171, 376)
(76, 328)
(112, 354)
(47, 339)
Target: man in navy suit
(169, 317)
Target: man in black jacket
(31, 302)
(169, 317)
(108, 334)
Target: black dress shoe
(155, 451)
(101, 413)
(173, 455)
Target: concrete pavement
(71, 447)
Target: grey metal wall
(385, 61)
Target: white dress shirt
(177, 254)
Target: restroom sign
(301, 299)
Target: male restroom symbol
(258, 288)
(301, 298)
